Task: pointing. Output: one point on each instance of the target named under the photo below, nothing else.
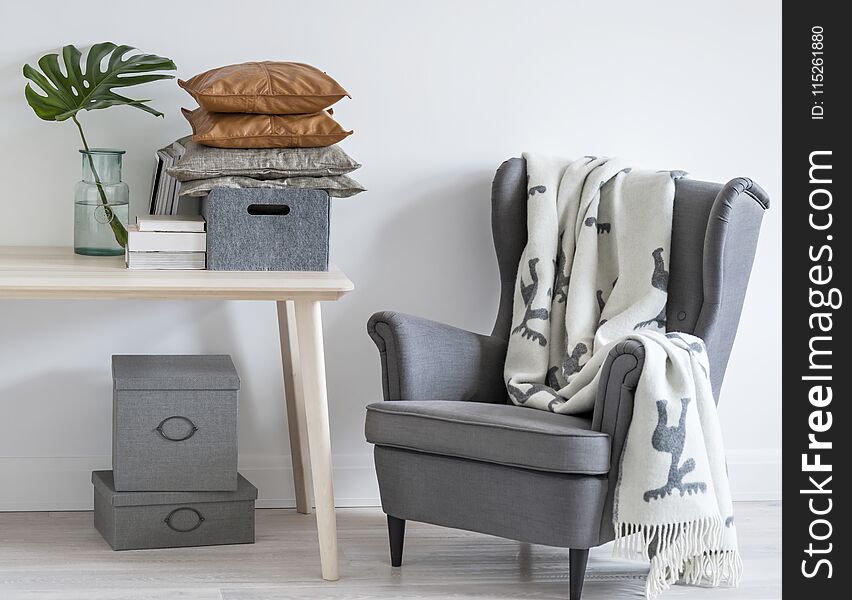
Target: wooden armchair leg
(577, 560)
(396, 535)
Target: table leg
(309, 325)
(295, 399)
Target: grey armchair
(450, 447)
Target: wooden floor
(60, 556)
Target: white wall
(442, 93)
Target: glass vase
(101, 205)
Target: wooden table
(59, 274)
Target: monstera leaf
(63, 95)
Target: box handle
(268, 210)
(168, 519)
(192, 429)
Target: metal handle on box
(192, 430)
(168, 519)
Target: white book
(171, 223)
(162, 241)
(166, 260)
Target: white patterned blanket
(594, 273)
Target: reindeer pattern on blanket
(587, 207)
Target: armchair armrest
(426, 360)
(619, 377)
(613, 411)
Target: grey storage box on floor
(137, 520)
(174, 423)
(267, 229)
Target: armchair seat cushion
(495, 433)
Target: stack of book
(167, 242)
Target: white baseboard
(64, 483)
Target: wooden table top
(46, 272)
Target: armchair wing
(427, 360)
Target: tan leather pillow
(268, 88)
(238, 130)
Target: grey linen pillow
(337, 186)
(203, 162)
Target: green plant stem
(117, 226)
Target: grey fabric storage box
(174, 423)
(255, 229)
(137, 520)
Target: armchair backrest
(714, 236)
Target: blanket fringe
(692, 552)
